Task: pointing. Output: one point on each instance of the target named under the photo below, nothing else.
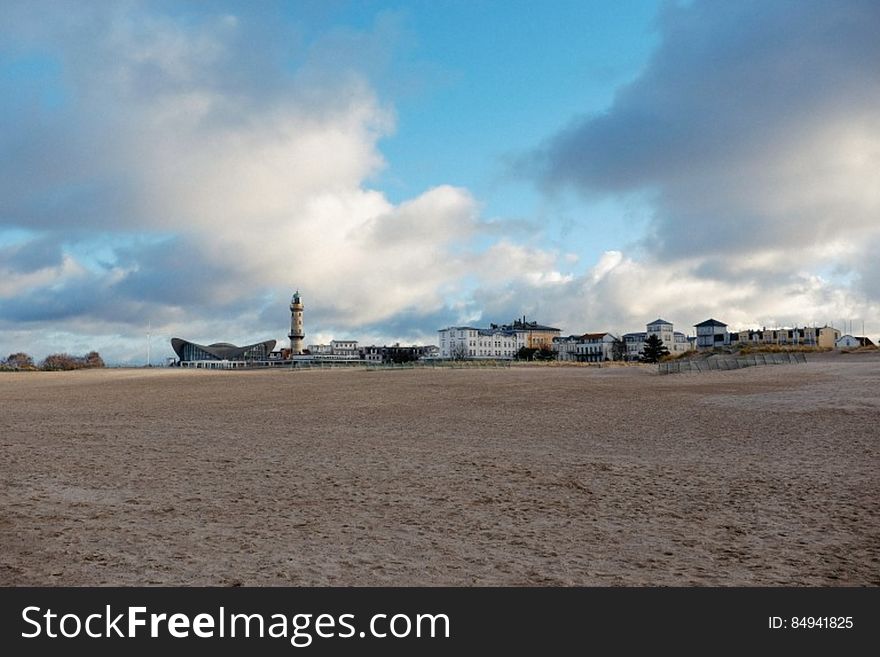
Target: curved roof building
(189, 351)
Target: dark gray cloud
(754, 126)
(157, 282)
(32, 256)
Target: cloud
(245, 178)
(754, 131)
(754, 126)
(169, 172)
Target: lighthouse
(296, 334)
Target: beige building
(827, 336)
(807, 336)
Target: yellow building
(537, 336)
(808, 336)
(828, 337)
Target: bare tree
(19, 361)
(68, 362)
(458, 351)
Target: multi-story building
(469, 342)
(807, 336)
(336, 350)
(711, 334)
(586, 348)
(596, 347)
(343, 346)
(634, 342)
(675, 341)
(828, 336)
(565, 347)
(663, 330)
(536, 336)
(397, 353)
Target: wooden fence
(731, 363)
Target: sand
(519, 476)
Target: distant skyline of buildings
(507, 342)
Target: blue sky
(412, 165)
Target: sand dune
(535, 476)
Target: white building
(566, 347)
(344, 347)
(712, 334)
(663, 330)
(596, 347)
(586, 348)
(675, 341)
(847, 341)
(468, 342)
(336, 350)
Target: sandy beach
(512, 476)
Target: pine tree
(653, 350)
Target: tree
(402, 355)
(653, 350)
(618, 349)
(19, 361)
(93, 359)
(68, 362)
(59, 362)
(458, 351)
(545, 353)
(526, 353)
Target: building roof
(522, 325)
(711, 322)
(659, 321)
(496, 331)
(594, 336)
(220, 350)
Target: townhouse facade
(586, 348)
(712, 334)
(336, 350)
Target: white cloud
(262, 190)
(254, 178)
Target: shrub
(65, 362)
(18, 361)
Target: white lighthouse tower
(296, 334)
